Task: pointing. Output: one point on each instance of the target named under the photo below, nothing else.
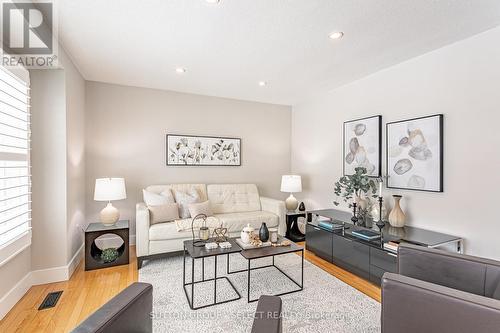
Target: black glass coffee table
(201, 253)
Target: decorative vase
(397, 217)
(375, 210)
(302, 207)
(263, 233)
(246, 234)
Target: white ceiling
(228, 48)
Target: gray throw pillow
(163, 213)
(184, 199)
(200, 208)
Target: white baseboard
(13, 296)
(41, 276)
(75, 261)
(56, 274)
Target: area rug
(325, 305)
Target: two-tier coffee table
(197, 253)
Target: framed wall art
(415, 154)
(363, 146)
(193, 150)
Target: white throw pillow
(163, 213)
(184, 200)
(155, 199)
(200, 208)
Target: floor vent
(50, 300)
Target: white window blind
(15, 171)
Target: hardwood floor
(83, 294)
(87, 291)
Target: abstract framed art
(363, 145)
(415, 154)
(195, 150)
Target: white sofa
(234, 205)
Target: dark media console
(367, 259)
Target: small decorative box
(211, 246)
(225, 245)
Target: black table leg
(192, 283)
(215, 281)
(302, 277)
(202, 269)
(184, 267)
(248, 280)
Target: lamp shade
(108, 189)
(291, 183)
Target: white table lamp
(109, 189)
(291, 184)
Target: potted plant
(351, 189)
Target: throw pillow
(200, 208)
(163, 213)
(184, 200)
(155, 199)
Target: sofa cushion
(169, 230)
(163, 213)
(200, 208)
(184, 199)
(235, 222)
(233, 198)
(201, 188)
(156, 199)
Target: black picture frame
(378, 163)
(440, 119)
(168, 163)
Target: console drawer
(351, 255)
(384, 260)
(319, 242)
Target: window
(15, 173)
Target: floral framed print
(415, 154)
(194, 150)
(363, 146)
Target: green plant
(109, 255)
(349, 187)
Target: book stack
(328, 225)
(392, 246)
(366, 234)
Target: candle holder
(380, 223)
(354, 218)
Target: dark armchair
(129, 311)
(438, 291)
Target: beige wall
(58, 129)
(125, 137)
(75, 155)
(461, 81)
(48, 160)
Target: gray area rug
(325, 305)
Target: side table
(93, 258)
(292, 226)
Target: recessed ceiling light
(180, 70)
(336, 35)
(262, 83)
(213, 2)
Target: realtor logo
(28, 34)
